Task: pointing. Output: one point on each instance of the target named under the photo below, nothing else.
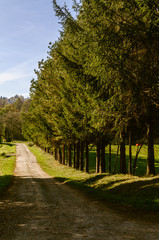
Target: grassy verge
(138, 192)
(7, 164)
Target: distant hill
(4, 100)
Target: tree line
(10, 118)
(99, 84)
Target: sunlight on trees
(99, 84)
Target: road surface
(36, 207)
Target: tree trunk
(66, 155)
(60, 155)
(87, 158)
(81, 156)
(136, 157)
(98, 157)
(74, 155)
(63, 154)
(109, 160)
(117, 158)
(150, 158)
(78, 155)
(69, 156)
(103, 168)
(130, 154)
(56, 154)
(58, 159)
(122, 155)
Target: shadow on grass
(94, 179)
(142, 194)
(141, 188)
(9, 144)
(54, 207)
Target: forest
(11, 110)
(99, 85)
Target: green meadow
(141, 161)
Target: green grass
(138, 192)
(141, 162)
(7, 164)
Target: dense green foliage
(10, 118)
(99, 84)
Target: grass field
(7, 164)
(139, 192)
(141, 162)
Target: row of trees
(99, 84)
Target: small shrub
(30, 144)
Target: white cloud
(20, 71)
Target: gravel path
(37, 207)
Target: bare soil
(38, 207)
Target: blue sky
(26, 28)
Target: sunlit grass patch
(7, 164)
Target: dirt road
(37, 207)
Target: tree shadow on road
(5, 182)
